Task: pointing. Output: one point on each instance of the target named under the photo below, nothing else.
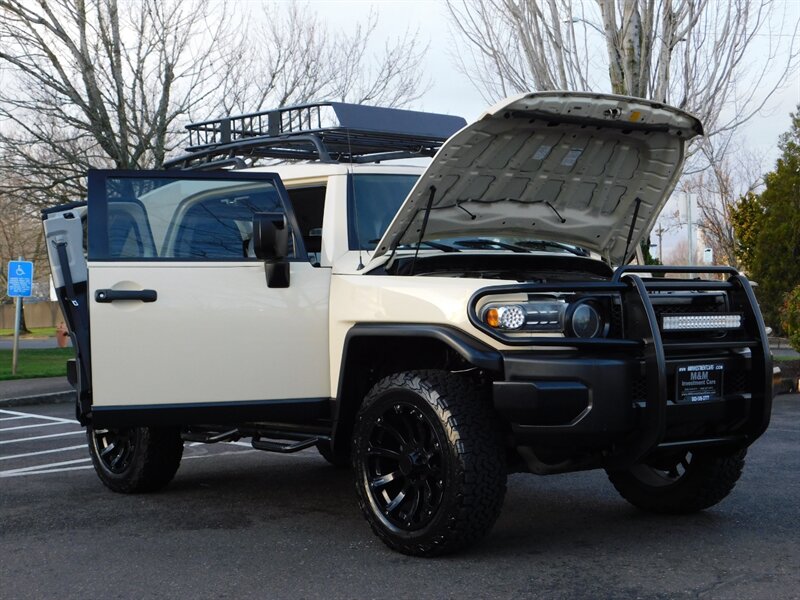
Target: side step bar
(282, 442)
(285, 447)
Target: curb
(51, 398)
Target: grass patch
(785, 357)
(35, 332)
(49, 362)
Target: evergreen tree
(746, 216)
(776, 253)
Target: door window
(146, 216)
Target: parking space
(33, 443)
(238, 523)
(42, 440)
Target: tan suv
(434, 326)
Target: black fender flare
(471, 349)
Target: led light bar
(700, 322)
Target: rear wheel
(429, 464)
(682, 482)
(135, 459)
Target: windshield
(373, 201)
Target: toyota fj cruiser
(436, 328)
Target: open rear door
(64, 228)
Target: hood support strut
(630, 229)
(424, 226)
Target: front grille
(615, 325)
(736, 382)
(639, 389)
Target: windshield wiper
(434, 245)
(484, 243)
(544, 244)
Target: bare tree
(295, 58)
(20, 235)
(100, 83)
(679, 254)
(110, 83)
(698, 55)
(718, 191)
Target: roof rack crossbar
(325, 131)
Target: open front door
(184, 327)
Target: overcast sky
(452, 92)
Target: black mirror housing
(271, 244)
(270, 236)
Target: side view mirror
(271, 244)
(270, 236)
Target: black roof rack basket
(326, 131)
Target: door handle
(111, 295)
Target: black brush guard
(644, 340)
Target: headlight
(582, 318)
(531, 316)
(509, 317)
(585, 320)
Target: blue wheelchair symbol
(20, 278)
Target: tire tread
(711, 479)
(155, 463)
(471, 426)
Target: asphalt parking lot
(239, 523)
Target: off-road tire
(338, 460)
(707, 478)
(147, 457)
(460, 486)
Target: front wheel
(681, 482)
(429, 464)
(135, 459)
(340, 460)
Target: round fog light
(509, 317)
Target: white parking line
(62, 466)
(219, 454)
(41, 467)
(26, 454)
(41, 437)
(35, 416)
(31, 426)
(13, 418)
(245, 444)
(47, 471)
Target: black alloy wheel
(135, 459)
(114, 447)
(429, 462)
(404, 467)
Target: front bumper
(585, 401)
(618, 397)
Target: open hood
(562, 166)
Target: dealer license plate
(699, 383)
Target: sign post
(20, 285)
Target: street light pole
(660, 235)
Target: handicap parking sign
(20, 278)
